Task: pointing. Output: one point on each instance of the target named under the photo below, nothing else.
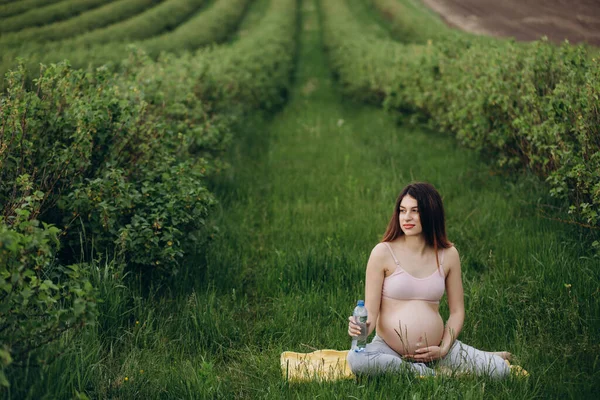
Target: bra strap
(442, 257)
(391, 251)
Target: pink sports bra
(403, 286)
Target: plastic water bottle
(360, 317)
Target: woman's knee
(358, 361)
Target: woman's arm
(456, 303)
(373, 284)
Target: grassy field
(309, 193)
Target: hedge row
(264, 80)
(103, 16)
(212, 25)
(413, 21)
(523, 107)
(163, 17)
(109, 168)
(17, 7)
(567, 66)
(49, 14)
(116, 164)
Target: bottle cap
(361, 303)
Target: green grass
(308, 195)
(306, 201)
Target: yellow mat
(329, 365)
(321, 365)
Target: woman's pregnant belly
(407, 325)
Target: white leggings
(378, 357)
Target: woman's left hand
(426, 354)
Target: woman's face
(409, 216)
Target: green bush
(112, 171)
(113, 163)
(88, 21)
(48, 14)
(39, 299)
(165, 16)
(117, 164)
(123, 157)
(17, 7)
(208, 26)
(161, 18)
(520, 106)
(267, 54)
(413, 22)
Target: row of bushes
(264, 80)
(412, 21)
(97, 18)
(96, 165)
(105, 166)
(520, 106)
(163, 17)
(17, 7)
(211, 25)
(49, 14)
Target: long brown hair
(431, 214)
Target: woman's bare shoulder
(451, 250)
(378, 257)
(379, 250)
(451, 257)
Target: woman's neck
(415, 244)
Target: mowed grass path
(310, 193)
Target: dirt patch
(525, 20)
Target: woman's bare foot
(503, 354)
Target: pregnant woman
(407, 274)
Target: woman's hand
(426, 354)
(354, 328)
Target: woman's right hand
(354, 328)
